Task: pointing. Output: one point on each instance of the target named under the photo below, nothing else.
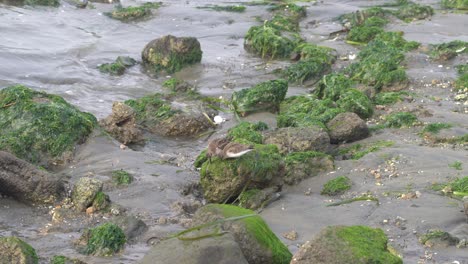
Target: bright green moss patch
(395, 39)
(458, 4)
(306, 110)
(435, 128)
(267, 42)
(201, 158)
(378, 66)
(37, 126)
(332, 86)
(171, 83)
(458, 187)
(258, 229)
(449, 50)
(122, 177)
(390, 97)
(309, 50)
(151, 108)
(133, 13)
(401, 119)
(15, 250)
(456, 165)
(336, 186)
(105, 240)
(265, 96)
(227, 8)
(363, 34)
(358, 151)
(357, 102)
(305, 70)
(247, 133)
(118, 67)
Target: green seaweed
(301, 157)
(122, 177)
(460, 185)
(201, 158)
(336, 186)
(305, 70)
(456, 165)
(332, 86)
(449, 50)
(151, 108)
(439, 235)
(357, 102)
(118, 67)
(360, 17)
(133, 13)
(358, 151)
(53, 3)
(36, 126)
(395, 39)
(435, 128)
(363, 34)
(462, 81)
(20, 248)
(267, 42)
(227, 8)
(247, 133)
(105, 240)
(412, 11)
(289, 9)
(388, 98)
(265, 96)
(457, 4)
(283, 23)
(401, 119)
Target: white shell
(218, 119)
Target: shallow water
(58, 50)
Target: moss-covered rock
(39, 127)
(412, 11)
(395, 39)
(171, 54)
(438, 239)
(332, 86)
(133, 13)
(27, 183)
(223, 180)
(265, 96)
(122, 177)
(347, 127)
(305, 70)
(247, 133)
(309, 50)
(358, 151)
(379, 66)
(376, 15)
(401, 119)
(255, 198)
(172, 116)
(85, 191)
(131, 226)
(288, 9)
(258, 243)
(458, 4)
(15, 250)
(299, 139)
(357, 102)
(363, 34)
(302, 165)
(448, 50)
(267, 42)
(104, 240)
(347, 244)
(118, 67)
(336, 186)
(53, 3)
(121, 124)
(306, 111)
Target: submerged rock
(221, 249)
(294, 139)
(347, 127)
(131, 226)
(26, 182)
(257, 242)
(119, 66)
(85, 192)
(39, 127)
(302, 165)
(254, 198)
(171, 53)
(121, 124)
(346, 244)
(265, 96)
(224, 179)
(15, 250)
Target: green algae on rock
(40, 127)
(223, 180)
(15, 250)
(358, 151)
(289, 9)
(412, 11)
(458, 4)
(247, 133)
(302, 165)
(347, 244)
(171, 54)
(265, 96)
(227, 8)
(104, 240)
(387, 98)
(122, 177)
(267, 42)
(132, 13)
(332, 86)
(258, 243)
(435, 128)
(88, 192)
(357, 102)
(437, 238)
(53, 3)
(118, 67)
(448, 50)
(395, 39)
(401, 119)
(336, 186)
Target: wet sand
(58, 50)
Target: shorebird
(235, 150)
(216, 146)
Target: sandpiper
(216, 146)
(235, 150)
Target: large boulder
(215, 249)
(15, 250)
(298, 139)
(347, 127)
(302, 165)
(39, 127)
(85, 192)
(168, 116)
(346, 244)
(121, 124)
(171, 53)
(26, 182)
(265, 96)
(257, 242)
(224, 179)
